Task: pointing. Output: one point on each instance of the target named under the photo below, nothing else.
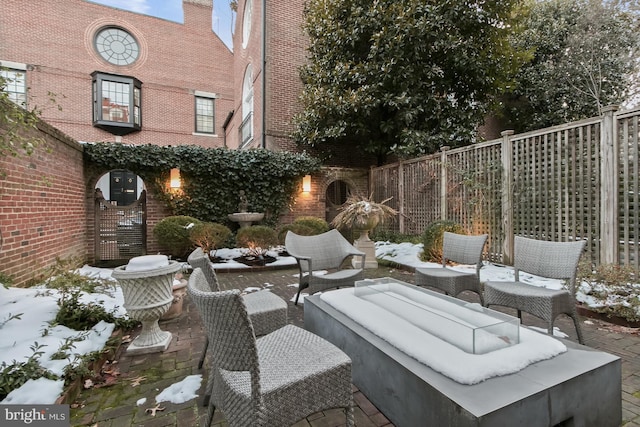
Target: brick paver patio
(145, 376)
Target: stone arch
(338, 184)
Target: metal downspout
(264, 72)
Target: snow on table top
(440, 355)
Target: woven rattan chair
(268, 311)
(460, 249)
(556, 260)
(274, 380)
(326, 251)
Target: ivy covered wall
(211, 179)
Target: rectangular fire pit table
(578, 387)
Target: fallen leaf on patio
(136, 381)
(153, 411)
(108, 381)
(111, 371)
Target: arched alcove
(335, 196)
(120, 209)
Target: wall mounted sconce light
(306, 184)
(174, 179)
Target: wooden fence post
(608, 187)
(401, 199)
(443, 182)
(507, 197)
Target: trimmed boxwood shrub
(432, 239)
(318, 225)
(173, 234)
(210, 236)
(256, 236)
(304, 226)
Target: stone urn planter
(147, 286)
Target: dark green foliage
(173, 234)
(212, 177)
(432, 239)
(210, 236)
(62, 275)
(318, 225)
(380, 235)
(14, 375)
(5, 280)
(256, 236)
(81, 316)
(299, 229)
(304, 226)
(403, 77)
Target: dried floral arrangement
(361, 212)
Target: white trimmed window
(15, 81)
(246, 22)
(205, 112)
(246, 129)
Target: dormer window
(117, 103)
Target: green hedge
(211, 177)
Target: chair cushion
(524, 289)
(443, 272)
(340, 274)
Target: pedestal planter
(364, 243)
(147, 286)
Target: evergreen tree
(403, 77)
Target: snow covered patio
(166, 388)
(146, 376)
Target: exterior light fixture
(174, 178)
(306, 184)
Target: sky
(171, 10)
(19, 334)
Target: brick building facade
(54, 42)
(99, 73)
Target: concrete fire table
(578, 386)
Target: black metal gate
(121, 231)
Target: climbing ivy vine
(211, 178)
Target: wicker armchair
(461, 249)
(556, 260)
(268, 311)
(275, 380)
(326, 251)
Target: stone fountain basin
(246, 216)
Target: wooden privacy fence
(574, 181)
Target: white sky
(17, 335)
(171, 10)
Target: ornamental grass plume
(362, 212)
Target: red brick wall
(286, 52)
(56, 39)
(315, 203)
(42, 208)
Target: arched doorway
(336, 196)
(120, 217)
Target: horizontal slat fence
(577, 181)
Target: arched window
(246, 22)
(246, 130)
